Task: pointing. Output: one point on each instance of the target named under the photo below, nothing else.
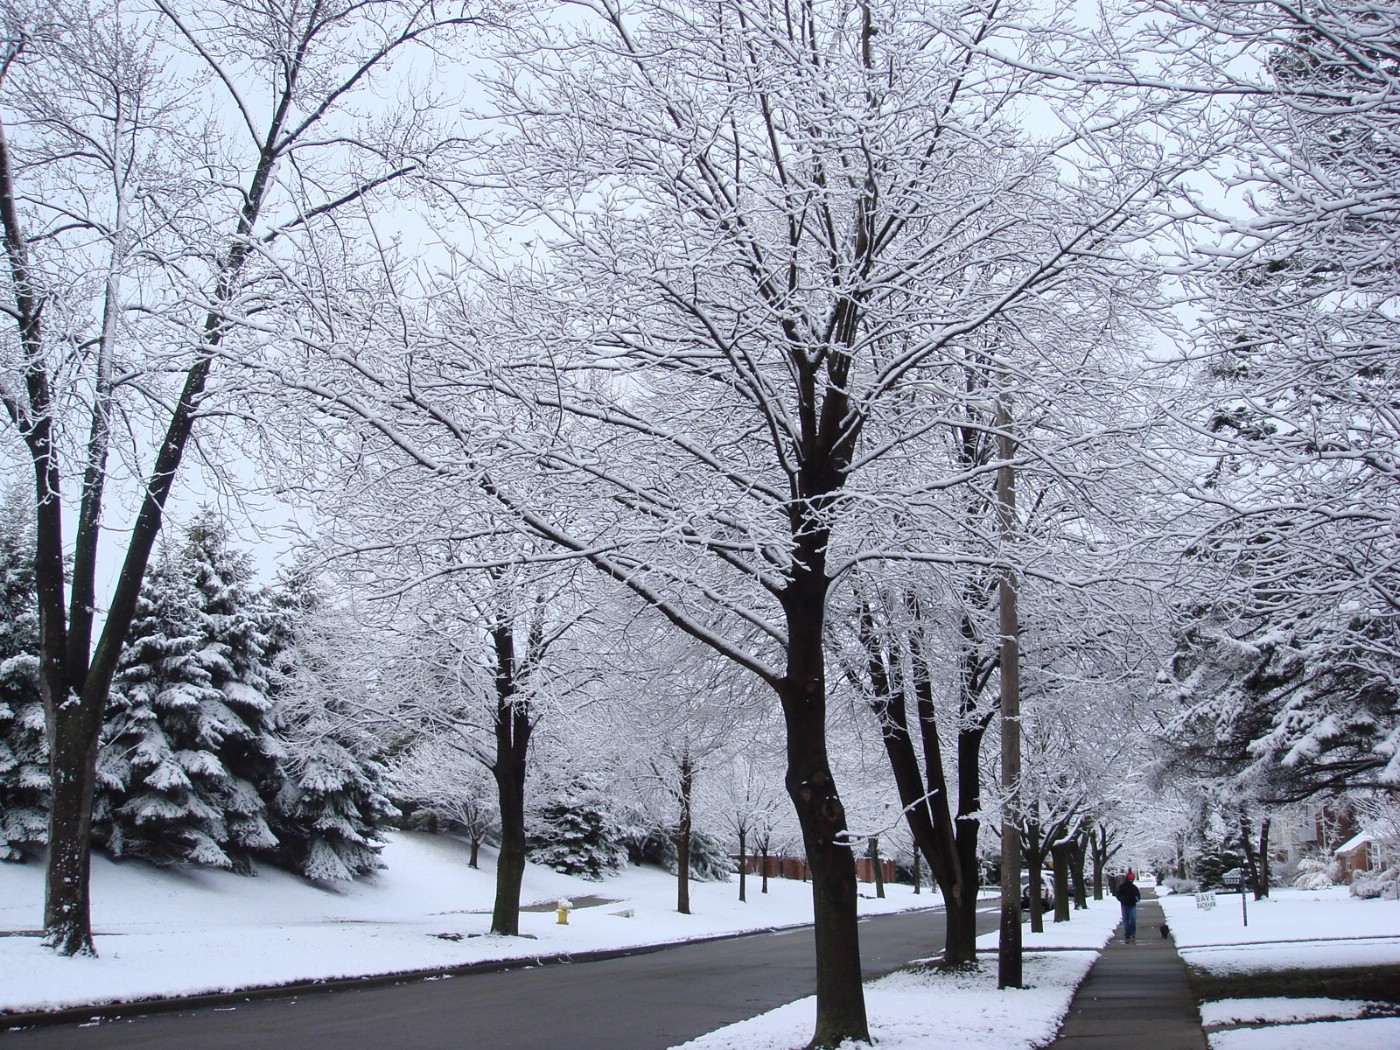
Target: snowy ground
(1291, 930)
(174, 933)
(177, 933)
(916, 1010)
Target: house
(783, 867)
(1360, 853)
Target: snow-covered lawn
(177, 933)
(1291, 930)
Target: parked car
(1047, 893)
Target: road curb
(111, 1011)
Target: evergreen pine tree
(332, 803)
(24, 760)
(189, 753)
(576, 832)
(236, 619)
(159, 775)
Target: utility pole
(1009, 949)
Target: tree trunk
(1035, 865)
(960, 916)
(1061, 851)
(1077, 856)
(682, 838)
(1101, 850)
(75, 691)
(476, 850)
(510, 861)
(1265, 874)
(67, 924)
(1256, 860)
(873, 853)
(917, 859)
(960, 948)
(763, 886)
(512, 728)
(1251, 863)
(743, 866)
(949, 846)
(820, 814)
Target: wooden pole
(1009, 974)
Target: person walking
(1128, 895)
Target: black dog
(1166, 932)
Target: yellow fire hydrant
(564, 905)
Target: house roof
(1353, 843)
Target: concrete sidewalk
(1136, 995)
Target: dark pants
(1130, 922)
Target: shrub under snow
(1315, 873)
(1370, 886)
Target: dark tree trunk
(1265, 875)
(1062, 852)
(1033, 843)
(1101, 851)
(75, 691)
(1256, 859)
(961, 941)
(949, 846)
(476, 850)
(873, 854)
(1009, 954)
(917, 859)
(682, 837)
(512, 726)
(67, 891)
(743, 865)
(820, 814)
(763, 883)
(1078, 855)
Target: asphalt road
(641, 1002)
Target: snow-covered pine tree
(576, 832)
(189, 751)
(332, 803)
(24, 758)
(236, 618)
(158, 774)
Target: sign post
(1235, 877)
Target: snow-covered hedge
(1175, 885)
(1369, 886)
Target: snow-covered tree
(441, 788)
(750, 260)
(673, 713)
(331, 801)
(24, 753)
(164, 171)
(1295, 413)
(747, 797)
(190, 753)
(578, 831)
